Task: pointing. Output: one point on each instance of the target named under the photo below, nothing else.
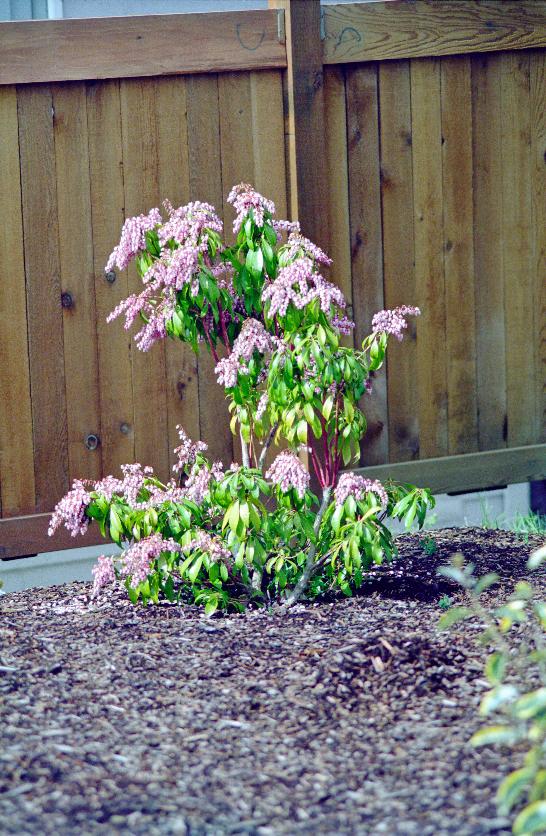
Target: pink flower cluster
(184, 247)
(299, 284)
(243, 198)
(286, 226)
(351, 484)
(188, 223)
(104, 573)
(187, 452)
(343, 324)
(133, 239)
(136, 561)
(298, 246)
(288, 472)
(393, 321)
(253, 337)
(70, 510)
(208, 544)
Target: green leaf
(453, 616)
(511, 789)
(485, 582)
(244, 511)
(309, 413)
(327, 407)
(211, 606)
(302, 431)
(529, 705)
(496, 697)
(495, 734)
(532, 819)
(495, 667)
(195, 568)
(538, 557)
(233, 516)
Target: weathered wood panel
(43, 286)
(142, 45)
(16, 445)
(392, 30)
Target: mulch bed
(348, 716)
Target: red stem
(211, 345)
(224, 329)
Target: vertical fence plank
(268, 138)
(236, 131)
(206, 184)
(139, 131)
(429, 257)
(398, 253)
(366, 241)
(41, 247)
(174, 185)
(16, 451)
(489, 287)
(538, 179)
(519, 296)
(107, 212)
(337, 204)
(459, 255)
(77, 278)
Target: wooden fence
(410, 140)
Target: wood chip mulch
(343, 717)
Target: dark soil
(345, 717)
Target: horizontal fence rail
(143, 45)
(421, 171)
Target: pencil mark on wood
(245, 45)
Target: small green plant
(517, 655)
(445, 602)
(531, 523)
(429, 545)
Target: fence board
(174, 185)
(519, 296)
(141, 188)
(538, 186)
(488, 251)
(337, 205)
(459, 254)
(429, 256)
(366, 247)
(398, 252)
(206, 184)
(107, 214)
(16, 448)
(77, 278)
(379, 31)
(40, 225)
(142, 45)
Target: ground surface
(345, 717)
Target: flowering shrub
(272, 323)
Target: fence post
(304, 117)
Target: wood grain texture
(141, 186)
(366, 240)
(392, 30)
(538, 198)
(429, 256)
(16, 447)
(337, 172)
(488, 251)
(174, 185)
(142, 45)
(473, 471)
(268, 145)
(45, 327)
(398, 253)
(77, 279)
(107, 215)
(206, 184)
(517, 236)
(462, 410)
